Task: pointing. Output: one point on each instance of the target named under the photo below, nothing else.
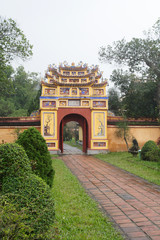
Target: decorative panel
(99, 103)
(64, 91)
(85, 103)
(98, 91)
(51, 144)
(98, 124)
(74, 103)
(84, 91)
(99, 144)
(49, 91)
(62, 103)
(73, 80)
(74, 91)
(49, 104)
(48, 124)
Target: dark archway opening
(82, 122)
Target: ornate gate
(74, 93)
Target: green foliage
(13, 161)
(13, 223)
(145, 169)
(67, 136)
(18, 88)
(26, 202)
(123, 131)
(77, 215)
(31, 194)
(114, 102)
(150, 152)
(13, 42)
(141, 58)
(37, 151)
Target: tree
(24, 92)
(123, 131)
(13, 44)
(141, 57)
(114, 102)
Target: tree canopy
(18, 88)
(13, 42)
(140, 58)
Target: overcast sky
(74, 30)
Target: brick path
(131, 203)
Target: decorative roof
(55, 84)
(64, 70)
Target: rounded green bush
(150, 152)
(37, 151)
(13, 223)
(13, 161)
(31, 193)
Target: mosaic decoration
(85, 103)
(51, 144)
(73, 80)
(83, 80)
(84, 91)
(99, 144)
(74, 91)
(80, 73)
(62, 103)
(49, 91)
(64, 91)
(64, 80)
(99, 124)
(48, 124)
(99, 104)
(98, 91)
(51, 104)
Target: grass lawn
(77, 215)
(72, 143)
(145, 169)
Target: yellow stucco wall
(141, 133)
(8, 134)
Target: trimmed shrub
(33, 196)
(13, 161)
(37, 151)
(150, 152)
(12, 221)
(158, 142)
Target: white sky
(74, 30)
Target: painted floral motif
(99, 104)
(84, 91)
(64, 91)
(49, 104)
(49, 91)
(99, 144)
(98, 91)
(85, 103)
(62, 103)
(74, 91)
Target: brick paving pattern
(132, 203)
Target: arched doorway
(82, 122)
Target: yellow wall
(141, 133)
(8, 134)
